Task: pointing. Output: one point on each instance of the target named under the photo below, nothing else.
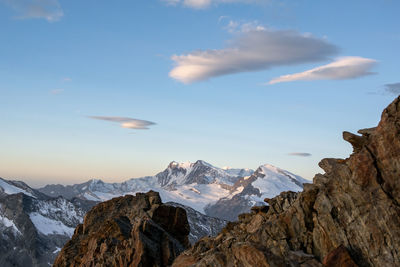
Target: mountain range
(36, 223)
(199, 185)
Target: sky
(116, 90)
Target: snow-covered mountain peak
(96, 181)
(15, 187)
(180, 165)
(268, 169)
(266, 182)
(93, 184)
(188, 165)
(203, 163)
(199, 172)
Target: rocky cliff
(349, 216)
(128, 231)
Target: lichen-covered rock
(128, 231)
(354, 206)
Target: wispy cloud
(234, 26)
(36, 9)
(252, 49)
(124, 122)
(201, 4)
(67, 79)
(392, 88)
(341, 69)
(300, 154)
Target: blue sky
(235, 83)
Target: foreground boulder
(128, 231)
(349, 216)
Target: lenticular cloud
(251, 51)
(341, 69)
(124, 122)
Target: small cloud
(300, 154)
(341, 69)
(57, 91)
(202, 4)
(67, 79)
(49, 10)
(253, 49)
(172, 2)
(392, 88)
(221, 18)
(128, 123)
(243, 27)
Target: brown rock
(356, 141)
(339, 257)
(260, 209)
(128, 231)
(250, 256)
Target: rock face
(128, 231)
(350, 213)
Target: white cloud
(36, 9)
(124, 122)
(341, 69)
(252, 49)
(201, 4)
(243, 27)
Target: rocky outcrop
(350, 214)
(128, 231)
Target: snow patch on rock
(48, 226)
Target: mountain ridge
(199, 185)
(52, 218)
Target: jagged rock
(339, 257)
(281, 202)
(354, 204)
(356, 141)
(128, 231)
(259, 209)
